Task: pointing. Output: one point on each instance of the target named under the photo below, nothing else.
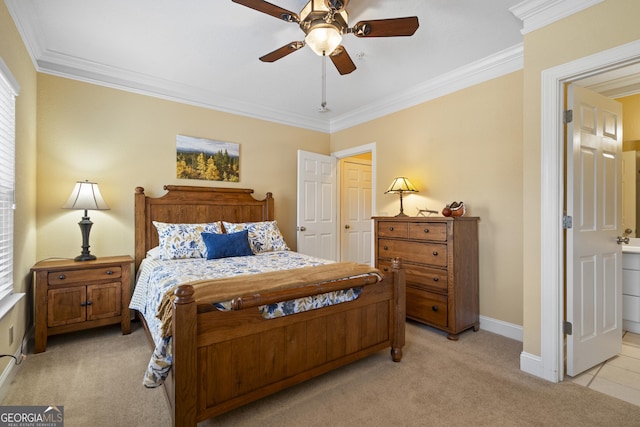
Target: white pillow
(264, 236)
(180, 241)
(154, 253)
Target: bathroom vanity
(631, 286)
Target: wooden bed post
(139, 226)
(184, 357)
(400, 309)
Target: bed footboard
(223, 360)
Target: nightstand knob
(386, 248)
(390, 228)
(435, 279)
(426, 230)
(109, 272)
(62, 277)
(385, 269)
(435, 253)
(434, 307)
(83, 304)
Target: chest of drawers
(440, 257)
(74, 295)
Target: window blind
(8, 92)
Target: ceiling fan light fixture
(323, 38)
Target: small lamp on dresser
(401, 185)
(85, 196)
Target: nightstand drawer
(423, 253)
(428, 231)
(89, 274)
(426, 307)
(420, 276)
(393, 229)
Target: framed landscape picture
(208, 159)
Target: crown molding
(490, 67)
(536, 14)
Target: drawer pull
(426, 230)
(109, 272)
(435, 253)
(83, 304)
(62, 277)
(435, 279)
(390, 228)
(434, 307)
(386, 248)
(385, 269)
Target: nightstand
(74, 295)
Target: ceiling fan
(323, 23)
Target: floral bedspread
(155, 277)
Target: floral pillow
(180, 241)
(263, 236)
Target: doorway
(551, 362)
(361, 154)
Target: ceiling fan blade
(270, 9)
(342, 61)
(282, 52)
(393, 27)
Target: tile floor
(619, 376)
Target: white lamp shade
(86, 195)
(323, 39)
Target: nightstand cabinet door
(66, 305)
(440, 258)
(75, 295)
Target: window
(8, 93)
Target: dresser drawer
(393, 229)
(428, 231)
(421, 253)
(631, 308)
(84, 275)
(426, 307)
(419, 275)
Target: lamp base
(401, 214)
(85, 257)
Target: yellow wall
(122, 140)
(631, 120)
(603, 26)
(465, 146)
(17, 59)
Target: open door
(594, 254)
(317, 210)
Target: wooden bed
(223, 360)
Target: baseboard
(531, 364)
(499, 327)
(12, 368)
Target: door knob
(620, 240)
(346, 227)
(302, 228)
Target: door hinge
(567, 116)
(567, 328)
(567, 222)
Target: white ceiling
(205, 52)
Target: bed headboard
(189, 205)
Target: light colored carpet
(475, 381)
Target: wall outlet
(10, 334)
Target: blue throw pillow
(227, 245)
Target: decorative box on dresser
(74, 295)
(440, 257)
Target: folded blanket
(219, 290)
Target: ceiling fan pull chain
(323, 105)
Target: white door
(355, 211)
(317, 211)
(594, 258)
